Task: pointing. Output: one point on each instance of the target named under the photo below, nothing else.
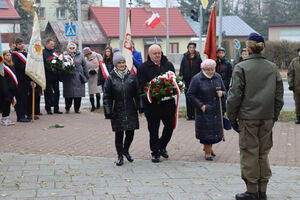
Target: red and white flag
(153, 20)
(128, 48)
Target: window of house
(37, 1)
(60, 13)
(41, 12)
(174, 47)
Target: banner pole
(33, 95)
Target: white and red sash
(21, 56)
(133, 69)
(103, 69)
(14, 77)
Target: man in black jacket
(156, 65)
(190, 65)
(52, 80)
(224, 67)
(19, 58)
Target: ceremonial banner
(128, 48)
(35, 63)
(210, 44)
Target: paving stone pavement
(45, 177)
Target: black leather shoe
(128, 157)
(209, 158)
(262, 196)
(77, 111)
(298, 120)
(35, 117)
(120, 161)
(213, 154)
(164, 153)
(155, 158)
(23, 120)
(49, 112)
(58, 112)
(247, 196)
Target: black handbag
(82, 77)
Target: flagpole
(220, 23)
(33, 99)
(167, 28)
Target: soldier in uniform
(254, 102)
(294, 83)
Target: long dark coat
(224, 68)
(121, 101)
(72, 85)
(202, 91)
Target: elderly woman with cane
(204, 92)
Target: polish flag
(128, 48)
(153, 20)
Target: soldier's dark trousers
(37, 100)
(297, 103)
(52, 96)
(22, 98)
(255, 142)
(165, 112)
(123, 147)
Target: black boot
(298, 120)
(247, 196)
(164, 153)
(120, 160)
(92, 103)
(262, 196)
(128, 156)
(98, 101)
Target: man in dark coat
(19, 57)
(164, 111)
(224, 67)
(190, 65)
(52, 80)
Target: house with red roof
(9, 23)
(180, 31)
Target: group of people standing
(251, 94)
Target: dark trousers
(190, 110)
(123, 147)
(165, 112)
(297, 103)
(22, 99)
(6, 107)
(52, 96)
(37, 100)
(77, 102)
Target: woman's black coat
(121, 101)
(202, 91)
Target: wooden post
(33, 103)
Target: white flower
(61, 57)
(180, 83)
(53, 61)
(66, 63)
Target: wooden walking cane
(33, 95)
(221, 114)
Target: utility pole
(200, 30)
(167, 28)
(122, 22)
(220, 23)
(79, 25)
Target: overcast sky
(154, 3)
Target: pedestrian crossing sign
(70, 30)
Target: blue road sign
(236, 44)
(70, 30)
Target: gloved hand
(235, 126)
(92, 72)
(291, 88)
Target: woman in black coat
(189, 67)
(204, 92)
(121, 100)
